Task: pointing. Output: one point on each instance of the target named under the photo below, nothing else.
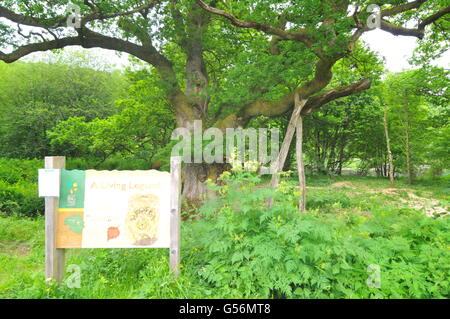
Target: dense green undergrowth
(236, 247)
(18, 187)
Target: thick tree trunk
(194, 177)
(195, 98)
(194, 180)
(388, 145)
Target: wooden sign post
(109, 209)
(54, 257)
(175, 207)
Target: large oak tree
(197, 47)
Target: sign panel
(114, 209)
(48, 182)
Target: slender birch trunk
(299, 154)
(388, 145)
(408, 157)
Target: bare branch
(434, 17)
(61, 21)
(101, 16)
(90, 5)
(296, 35)
(38, 47)
(402, 8)
(278, 107)
(91, 39)
(30, 21)
(317, 101)
(397, 30)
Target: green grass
(144, 273)
(105, 273)
(371, 193)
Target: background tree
(415, 103)
(34, 97)
(336, 134)
(388, 146)
(139, 130)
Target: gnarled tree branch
(296, 35)
(38, 47)
(98, 15)
(397, 30)
(402, 8)
(315, 102)
(434, 17)
(30, 21)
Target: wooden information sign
(110, 209)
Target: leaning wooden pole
(281, 159)
(175, 207)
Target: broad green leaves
(244, 246)
(140, 129)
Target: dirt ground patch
(430, 206)
(343, 185)
(14, 248)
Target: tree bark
(408, 144)
(194, 177)
(299, 153)
(342, 146)
(279, 164)
(388, 145)
(408, 157)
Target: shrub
(327, 199)
(16, 170)
(244, 248)
(18, 187)
(112, 163)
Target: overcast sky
(397, 49)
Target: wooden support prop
(293, 122)
(54, 257)
(175, 207)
